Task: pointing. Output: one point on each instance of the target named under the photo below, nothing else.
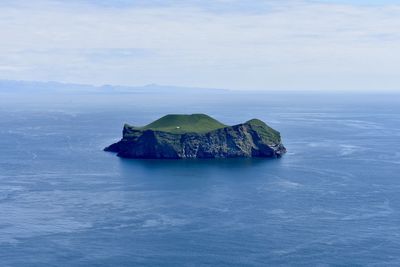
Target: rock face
(250, 139)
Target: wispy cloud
(225, 43)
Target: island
(192, 136)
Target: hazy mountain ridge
(14, 86)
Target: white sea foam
(280, 185)
(382, 210)
(288, 184)
(163, 221)
(346, 149)
(276, 212)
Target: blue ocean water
(333, 199)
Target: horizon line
(193, 87)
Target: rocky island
(198, 136)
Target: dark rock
(251, 139)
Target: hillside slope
(178, 123)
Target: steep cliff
(198, 136)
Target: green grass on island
(266, 132)
(194, 123)
(201, 123)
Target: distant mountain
(37, 87)
(11, 86)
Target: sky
(233, 44)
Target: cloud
(225, 43)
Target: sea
(332, 200)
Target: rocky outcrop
(251, 139)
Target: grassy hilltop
(194, 123)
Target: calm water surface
(333, 199)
